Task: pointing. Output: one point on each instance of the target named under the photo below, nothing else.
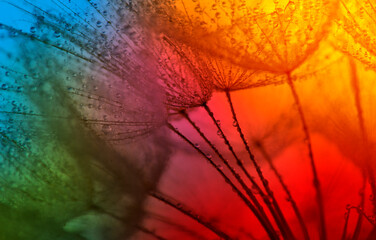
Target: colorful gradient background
(88, 88)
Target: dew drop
(4, 86)
(106, 129)
(219, 133)
(57, 34)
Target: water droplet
(219, 133)
(57, 34)
(99, 24)
(291, 6)
(234, 123)
(198, 9)
(4, 86)
(33, 29)
(197, 145)
(106, 129)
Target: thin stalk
(264, 222)
(228, 144)
(286, 189)
(347, 217)
(227, 164)
(372, 234)
(286, 228)
(188, 212)
(241, 165)
(150, 232)
(361, 206)
(316, 181)
(173, 224)
(125, 221)
(359, 109)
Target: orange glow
(303, 103)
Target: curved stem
(286, 189)
(173, 224)
(316, 182)
(150, 232)
(188, 212)
(361, 206)
(285, 228)
(227, 164)
(358, 104)
(344, 231)
(265, 197)
(228, 144)
(265, 223)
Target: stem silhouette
(286, 189)
(227, 164)
(264, 222)
(316, 181)
(286, 230)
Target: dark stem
(316, 182)
(174, 224)
(286, 189)
(266, 224)
(265, 198)
(361, 206)
(232, 170)
(344, 231)
(228, 144)
(150, 232)
(359, 109)
(285, 228)
(188, 212)
(121, 219)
